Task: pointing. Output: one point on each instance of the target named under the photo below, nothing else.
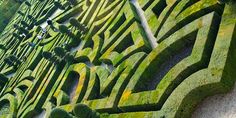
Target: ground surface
(217, 106)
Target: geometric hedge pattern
(115, 58)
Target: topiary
(82, 111)
(15, 26)
(15, 59)
(77, 24)
(59, 113)
(63, 29)
(47, 55)
(59, 51)
(59, 5)
(74, 42)
(17, 36)
(74, 22)
(30, 17)
(69, 58)
(27, 3)
(49, 22)
(24, 24)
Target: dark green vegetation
(7, 10)
(116, 58)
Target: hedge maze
(115, 58)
